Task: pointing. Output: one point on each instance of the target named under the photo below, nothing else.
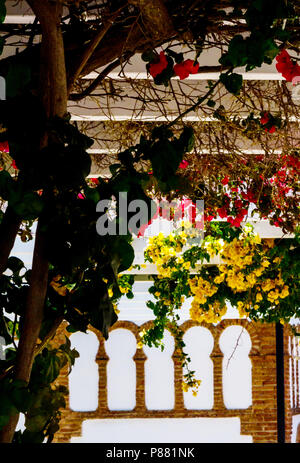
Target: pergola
(126, 104)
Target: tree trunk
(53, 93)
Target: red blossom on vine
(4, 148)
(183, 164)
(157, 67)
(264, 118)
(271, 129)
(187, 67)
(286, 67)
(225, 180)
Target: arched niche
(84, 377)
(199, 345)
(159, 375)
(121, 370)
(235, 344)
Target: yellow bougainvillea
(248, 275)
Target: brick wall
(259, 420)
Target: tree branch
(90, 50)
(155, 18)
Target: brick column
(139, 359)
(102, 360)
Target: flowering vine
(253, 274)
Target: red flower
(157, 67)
(286, 67)
(14, 165)
(265, 118)
(208, 218)
(238, 203)
(237, 222)
(225, 180)
(249, 196)
(4, 147)
(184, 69)
(271, 129)
(95, 180)
(260, 157)
(183, 164)
(222, 211)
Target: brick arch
(249, 327)
(259, 420)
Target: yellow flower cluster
(242, 309)
(194, 385)
(237, 256)
(214, 313)
(238, 253)
(213, 246)
(202, 289)
(275, 288)
(162, 251)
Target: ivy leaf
(232, 82)
(148, 56)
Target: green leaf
(114, 168)
(187, 138)
(28, 205)
(18, 76)
(148, 56)
(15, 264)
(211, 103)
(36, 423)
(2, 43)
(2, 11)
(6, 184)
(232, 82)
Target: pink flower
(80, 196)
(157, 67)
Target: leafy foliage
(50, 184)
